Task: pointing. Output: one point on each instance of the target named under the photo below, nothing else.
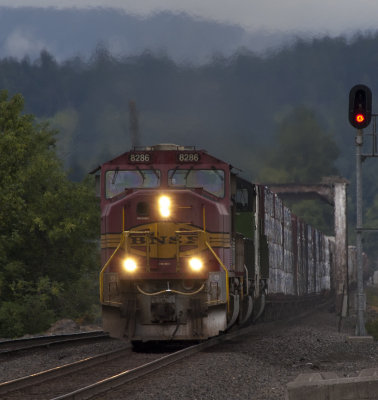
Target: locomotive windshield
(117, 181)
(210, 180)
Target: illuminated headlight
(195, 264)
(129, 265)
(165, 206)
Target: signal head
(360, 106)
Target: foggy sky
(315, 16)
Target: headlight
(165, 206)
(195, 264)
(129, 265)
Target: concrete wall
(375, 278)
(328, 386)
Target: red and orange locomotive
(189, 248)
(172, 253)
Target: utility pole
(360, 106)
(360, 326)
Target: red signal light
(360, 110)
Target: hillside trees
(227, 106)
(48, 227)
(302, 153)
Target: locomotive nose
(163, 312)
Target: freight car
(189, 248)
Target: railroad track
(121, 379)
(45, 383)
(113, 369)
(13, 346)
(50, 375)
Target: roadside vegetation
(49, 227)
(372, 304)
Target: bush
(372, 328)
(20, 317)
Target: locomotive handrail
(207, 244)
(145, 234)
(171, 291)
(123, 237)
(194, 232)
(226, 271)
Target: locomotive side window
(117, 181)
(241, 199)
(244, 195)
(210, 180)
(244, 204)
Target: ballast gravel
(258, 366)
(33, 361)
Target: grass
(372, 303)
(372, 296)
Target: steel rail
(118, 380)
(53, 373)
(12, 346)
(121, 379)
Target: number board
(140, 158)
(188, 157)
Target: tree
(48, 227)
(304, 153)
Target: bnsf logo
(184, 240)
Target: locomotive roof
(162, 148)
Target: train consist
(189, 248)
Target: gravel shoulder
(255, 366)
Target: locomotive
(189, 248)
